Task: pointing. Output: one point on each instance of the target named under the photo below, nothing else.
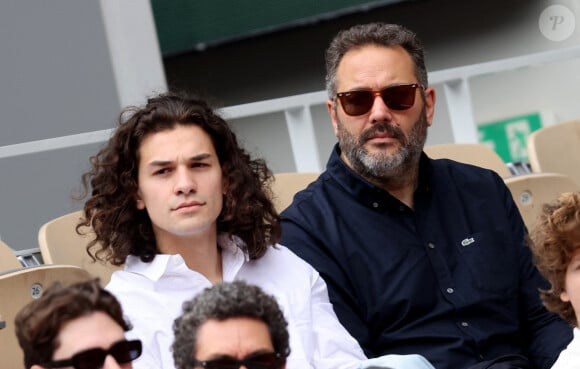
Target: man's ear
(429, 104)
(564, 296)
(332, 112)
(224, 186)
(139, 203)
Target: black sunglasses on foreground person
(174, 198)
(420, 256)
(79, 326)
(122, 351)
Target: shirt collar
(368, 193)
(234, 255)
(425, 173)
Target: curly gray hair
(224, 301)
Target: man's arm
(305, 242)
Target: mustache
(382, 127)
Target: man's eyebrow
(202, 156)
(218, 355)
(162, 163)
(159, 163)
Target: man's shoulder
(281, 256)
(310, 200)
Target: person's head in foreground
(379, 138)
(229, 325)
(79, 326)
(556, 247)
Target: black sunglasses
(359, 102)
(123, 352)
(261, 360)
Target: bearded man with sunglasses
(79, 326)
(420, 256)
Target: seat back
(8, 259)
(475, 154)
(556, 149)
(17, 288)
(287, 184)
(61, 244)
(532, 191)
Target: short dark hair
(224, 301)
(382, 34)
(38, 324)
(555, 238)
(121, 229)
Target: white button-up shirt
(570, 357)
(152, 295)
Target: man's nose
(111, 363)
(184, 182)
(380, 112)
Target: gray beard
(383, 166)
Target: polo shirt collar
(368, 193)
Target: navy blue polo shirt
(451, 279)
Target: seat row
(59, 242)
(554, 154)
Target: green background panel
(185, 25)
(508, 137)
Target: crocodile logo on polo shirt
(467, 241)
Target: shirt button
(375, 205)
(464, 324)
(401, 208)
(450, 290)
(431, 245)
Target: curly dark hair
(554, 240)
(121, 229)
(382, 34)
(38, 324)
(225, 301)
